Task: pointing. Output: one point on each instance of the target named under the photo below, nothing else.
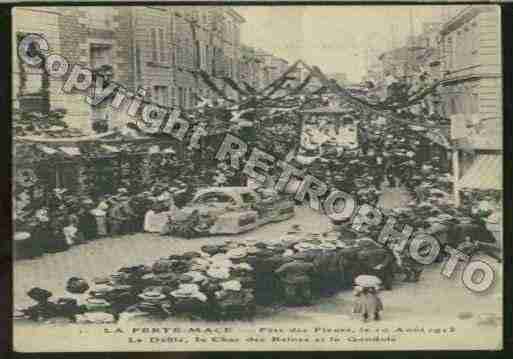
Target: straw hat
(197, 277)
(189, 291)
(152, 296)
(237, 253)
(218, 272)
(233, 285)
(21, 236)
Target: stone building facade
(158, 48)
(86, 36)
(472, 94)
(471, 59)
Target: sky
(333, 37)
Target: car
(230, 210)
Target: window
(172, 27)
(474, 104)
(203, 56)
(100, 54)
(474, 33)
(186, 93)
(99, 18)
(192, 98)
(158, 45)
(198, 57)
(452, 107)
(229, 65)
(162, 46)
(458, 42)
(172, 96)
(177, 56)
(173, 57)
(153, 34)
(161, 95)
(450, 54)
(207, 58)
(467, 46)
(180, 97)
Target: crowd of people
(229, 280)
(80, 219)
(225, 281)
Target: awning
(438, 137)
(70, 150)
(110, 148)
(485, 173)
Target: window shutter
(162, 46)
(153, 34)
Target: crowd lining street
(407, 302)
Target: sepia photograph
(257, 178)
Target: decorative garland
(296, 90)
(234, 86)
(249, 88)
(205, 77)
(276, 87)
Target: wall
(490, 87)
(151, 72)
(473, 85)
(41, 20)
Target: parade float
(230, 210)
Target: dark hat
(185, 278)
(191, 255)
(266, 253)
(261, 245)
(169, 279)
(101, 280)
(212, 249)
(67, 302)
(136, 270)
(39, 294)
(77, 285)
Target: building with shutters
(472, 96)
(471, 55)
(192, 38)
(158, 48)
(87, 36)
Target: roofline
(465, 15)
(236, 15)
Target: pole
(456, 176)
(410, 44)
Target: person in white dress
(155, 219)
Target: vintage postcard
(250, 178)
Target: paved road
(394, 198)
(105, 256)
(435, 301)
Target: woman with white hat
(25, 247)
(100, 215)
(367, 302)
